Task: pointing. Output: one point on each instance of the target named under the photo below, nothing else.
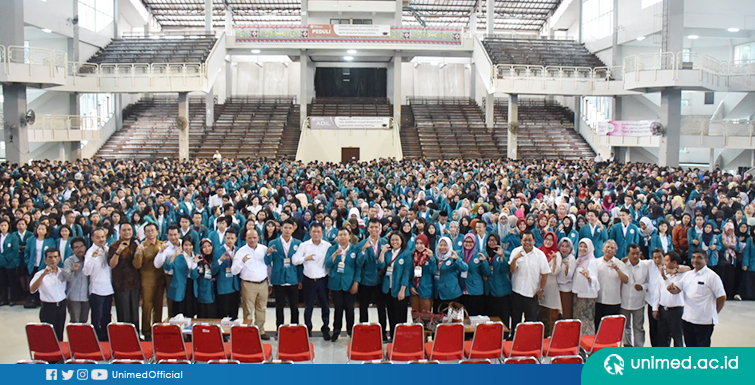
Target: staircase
(410, 146)
(290, 138)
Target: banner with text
(349, 123)
(352, 33)
(348, 30)
(626, 128)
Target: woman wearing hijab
(423, 271)
(566, 230)
(662, 239)
(566, 276)
(454, 235)
(205, 281)
(729, 260)
(407, 233)
(498, 284)
(711, 244)
(550, 305)
(449, 267)
(647, 231)
(472, 281)
(585, 286)
(432, 236)
(465, 224)
(747, 287)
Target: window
(596, 109)
(98, 106)
(597, 17)
(95, 15)
(744, 52)
(709, 97)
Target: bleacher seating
(546, 130)
(540, 52)
(350, 107)
(162, 50)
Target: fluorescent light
(434, 63)
(693, 37)
(46, 30)
(733, 29)
(640, 38)
(351, 51)
(255, 51)
(348, 58)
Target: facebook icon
(51, 374)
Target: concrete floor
(735, 328)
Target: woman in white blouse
(585, 286)
(566, 275)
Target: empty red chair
(173, 362)
(208, 343)
(487, 342)
(84, 344)
(565, 338)
(467, 362)
(377, 362)
(223, 362)
(277, 362)
(294, 345)
(408, 343)
(567, 360)
(80, 361)
(44, 344)
(247, 346)
(366, 342)
(31, 362)
(528, 341)
(168, 343)
(448, 344)
(125, 343)
(521, 360)
(126, 362)
(424, 362)
(610, 334)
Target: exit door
(349, 154)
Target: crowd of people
(516, 240)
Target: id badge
(417, 271)
(341, 267)
(437, 277)
(389, 271)
(207, 274)
(286, 263)
(228, 273)
(464, 274)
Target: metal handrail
(67, 122)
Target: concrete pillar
(228, 20)
(671, 118)
(16, 132)
(627, 154)
(183, 134)
(577, 112)
(615, 47)
(73, 149)
(579, 15)
(490, 111)
(303, 79)
(472, 81)
(512, 142)
(397, 89)
(711, 160)
(399, 13)
(473, 21)
(491, 18)
(752, 158)
(228, 79)
(75, 48)
(304, 12)
(208, 16)
(672, 29)
(209, 107)
(116, 16)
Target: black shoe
(265, 337)
(326, 335)
(334, 338)
(30, 305)
(3, 303)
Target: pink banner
(626, 128)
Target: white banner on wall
(626, 128)
(349, 123)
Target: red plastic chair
(528, 341)
(567, 360)
(610, 334)
(31, 362)
(366, 343)
(487, 342)
(521, 360)
(223, 362)
(125, 344)
(44, 344)
(448, 344)
(80, 361)
(294, 345)
(247, 346)
(173, 362)
(168, 343)
(126, 362)
(277, 362)
(565, 340)
(468, 362)
(408, 343)
(424, 362)
(84, 344)
(208, 343)
(377, 362)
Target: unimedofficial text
(146, 374)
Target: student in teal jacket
(421, 285)
(207, 273)
(472, 282)
(228, 295)
(446, 277)
(624, 238)
(285, 277)
(181, 288)
(498, 285)
(41, 241)
(395, 259)
(9, 262)
(341, 259)
(595, 232)
(63, 242)
(711, 244)
(661, 239)
(368, 275)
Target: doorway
(349, 154)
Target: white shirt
(161, 257)
(526, 280)
(631, 298)
(566, 277)
(655, 281)
(215, 200)
(582, 287)
(254, 269)
(665, 298)
(610, 283)
(2, 242)
(98, 271)
(52, 289)
(701, 289)
(38, 257)
(313, 269)
(62, 247)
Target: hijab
(649, 228)
(708, 237)
(469, 254)
(442, 257)
(550, 252)
(489, 251)
(419, 258)
(584, 260)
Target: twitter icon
(67, 374)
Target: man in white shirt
(96, 267)
(633, 297)
(52, 293)
(249, 265)
(655, 283)
(217, 199)
(611, 275)
(312, 254)
(529, 272)
(704, 298)
(167, 250)
(668, 308)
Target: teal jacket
(282, 273)
(447, 278)
(573, 236)
(426, 286)
(402, 272)
(622, 241)
(204, 289)
(499, 279)
(341, 280)
(177, 289)
(226, 282)
(30, 257)
(10, 258)
(713, 254)
(748, 255)
(600, 236)
(655, 243)
(367, 271)
(478, 268)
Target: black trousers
(523, 306)
(499, 307)
(316, 290)
(343, 301)
(227, 305)
(697, 336)
(730, 277)
(101, 308)
(207, 310)
(54, 314)
(188, 307)
(127, 306)
(10, 289)
(670, 326)
(475, 304)
(653, 323)
(371, 295)
(396, 312)
(283, 294)
(602, 310)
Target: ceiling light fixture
(46, 30)
(351, 51)
(255, 51)
(693, 37)
(641, 38)
(733, 29)
(348, 58)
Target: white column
(671, 118)
(491, 17)
(397, 89)
(209, 105)
(208, 16)
(490, 111)
(183, 134)
(303, 81)
(304, 12)
(399, 13)
(228, 21)
(512, 139)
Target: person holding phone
(126, 278)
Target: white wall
(451, 80)
(325, 145)
(259, 79)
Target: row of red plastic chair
(568, 360)
(246, 346)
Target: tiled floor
(734, 329)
